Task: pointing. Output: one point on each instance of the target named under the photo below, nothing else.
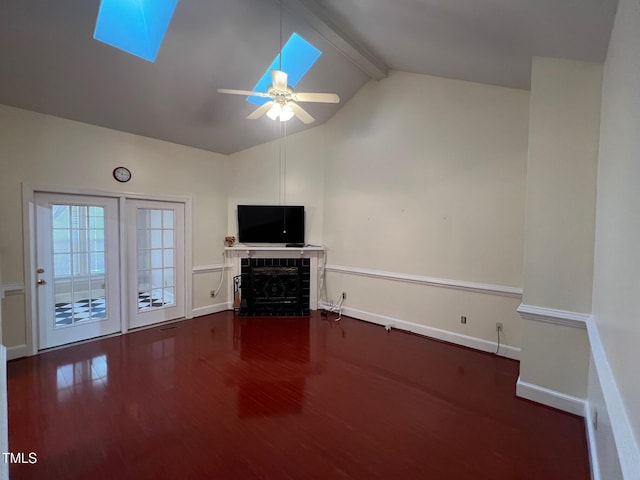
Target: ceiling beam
(345, 42)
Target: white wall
(564, 124)
(48, 151)
(261, 175)
(564, 127)
(616, 302)
(425, 176)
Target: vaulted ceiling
(50, 63)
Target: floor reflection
(274, 362)
(247, 398)
(89, 374)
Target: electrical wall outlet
(463, 320)
(498, 326)
(344, 295)
(213, 293)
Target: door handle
(42, 281)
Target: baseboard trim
(555, 317)
(18, 351)
(436, 333)
(501, 290)
(626, 445)
(550, 398)
(592, 445)
(209, 309)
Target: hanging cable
(336, 308)
(284, 163)
(329, 306)
(280, 45)
(281, 199)
(323, 290)
(222, 274)
(280, 167)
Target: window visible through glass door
(78, 263)
(156, 258)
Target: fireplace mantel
(249, 250)
(313, 252)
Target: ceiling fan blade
(243, 92)
(316, 97)
(261, 110)
(279, 79)
(301, 113)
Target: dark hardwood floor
(220, 397)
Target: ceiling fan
(283, 100)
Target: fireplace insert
(275, 287)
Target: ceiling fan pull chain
(284, 162)
(280, 44)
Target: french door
(155, 236)
(78, 256)
(78, 268)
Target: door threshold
(156, 325)
(79, 342)
(112, 335)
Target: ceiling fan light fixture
(274, 111)
(286, 113)
(280, 112)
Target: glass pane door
(78, 273)
(156, 250)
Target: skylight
(298, 56)
(135, 26)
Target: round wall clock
(122, 174)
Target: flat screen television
(271, 224)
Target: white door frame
(29, 245)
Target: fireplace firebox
(275, 287)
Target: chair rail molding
(210, 268)
(501, 290)
(553, 316)
(11, 289)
